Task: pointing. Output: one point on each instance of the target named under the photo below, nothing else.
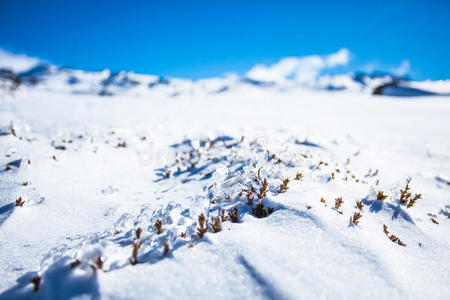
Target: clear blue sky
(206, 38)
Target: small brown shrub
(138, 232)
(355, 218)
(381, 196)
(134, 255)
(223, 216)
(260, 211)
(392, 237)
(158, 226)
(202, 226)
(19, 202)
(75, 264)
(215, 223)
(36, 281)
(250, 198)
(233, 214)
(338, 202)
(405, 195)
(284, 186)
(413, 200)
(359, 205)
(166, 248)
(263, 189)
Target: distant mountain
(107, 83)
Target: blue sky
(208, 38)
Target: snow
(143, 155)
(17, 62)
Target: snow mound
(234, 193)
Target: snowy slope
(96, 169)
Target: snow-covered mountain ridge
(107, 83)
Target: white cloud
(340, 58)
(301, 69)
(403, 69)
(17, 62)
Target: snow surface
(98, 168)
(17, 62)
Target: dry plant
(392, 237)
(284, 186)
(319, 164)
(13, 132)
(413, 200)
(250, 198)
(298, 176)
(381, 196)
(260, 211)
(158, 226)
(183, 235)
(202, 226)
(359, 205)
(259, 173)
(405, 195)
(434, 221)
(233, 214)
(215, 224)
(134, 256)
(355, 218)
(138, 232)
(223, 216)
(166, 248)
(338, 202)
(263, 189)
(19, 202)
(98, 262)
(36, 281)
(385, 229)
(75, 263)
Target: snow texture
(113, 190)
